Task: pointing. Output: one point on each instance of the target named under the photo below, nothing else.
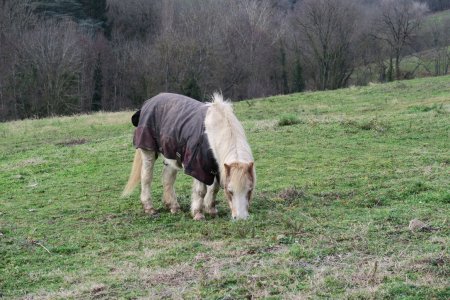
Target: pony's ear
(227, 169)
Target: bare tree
(15, 19)
(396, 25)
(52, 60)
(45, 65)
(252, 34)
(135, 19)
(436, 37)
(326, 31)
(208, 45)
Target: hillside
(440, 17)
(433, 60)
(335, 194)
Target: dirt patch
(98, 291)
(333, 196)
(174, 276)
(292, 194)
(73, 142)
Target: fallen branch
(39, 244)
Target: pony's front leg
(169, 176)
(210, 198)
(198, 194)
(148, 161)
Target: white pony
(225, 138)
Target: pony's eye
(231, 192)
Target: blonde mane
(225, 134)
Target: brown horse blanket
(173, 125)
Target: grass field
(422, 64)
(437, 17)
(340, 176)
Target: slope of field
(431, 61)
(437, 17)
(336, 192)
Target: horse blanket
(173, 125)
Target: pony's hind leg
(148, 161)
(198, 194)
(169, 176)
(210, 198)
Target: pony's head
(239, 183)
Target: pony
(210, 145)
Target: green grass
(437, 17)
(330, 216)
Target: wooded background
(72, 56)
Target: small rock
(418, 225)
(199, 216)
(280, 237)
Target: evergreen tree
(390, 73)
(284, 78)
(96, 12)
(299, 82)
(192, 89)
(60, 8)
(98, 86)
(88, 13)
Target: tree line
(73, 56)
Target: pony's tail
(135, 175)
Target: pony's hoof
(199, 217)
(175, 210)
(150, 211)
(212, 212)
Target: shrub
(287, 120)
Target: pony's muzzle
(243, 216)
